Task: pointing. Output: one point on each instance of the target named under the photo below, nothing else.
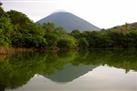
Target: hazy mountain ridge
(68, 21)
(132, 26)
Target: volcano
(69, 22)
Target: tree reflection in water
(16, 70)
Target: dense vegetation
(17, 30)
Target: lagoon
(94, 70)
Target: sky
(102, 13)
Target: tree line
(17, 30)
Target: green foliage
(20, 20)
(124, 36)
(38, 42)
(6, 26)
(2, 12)
(56, 37)
(76, 33)
(4, 41)
(67, 41)
(24, 28)
(52, 39)
(17, 30)
(6, 29)
(83, 43)
(48, 27)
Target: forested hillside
(17, 30)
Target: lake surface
(97, 70)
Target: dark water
(97, 70)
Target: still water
(97, 70)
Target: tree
(21, 21)
(48, 27)
(2, 12)
(83, 43)
(76, 33)
(4, 41)
(6, 26)
(68, 42)
(6, 29)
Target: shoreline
(5, 51)
(11, 50)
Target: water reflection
(98, 70)
(70, 72)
